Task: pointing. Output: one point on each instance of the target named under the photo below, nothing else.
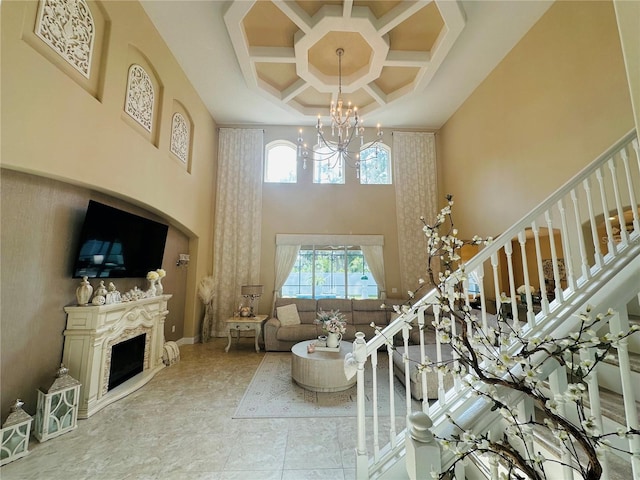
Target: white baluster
(496, 281)
(374, 374)
(544, 301)
(558, 384)
(559, 293)
(566, 247)
(483, 302)
(441, 392)
(624, 238)
(611, 245)
(594, 404)
(508, 250)
(584, 263)
(527, 282)
(619, 322)
(632, 195)
(423, 372)
(594, 227)
(526, 413)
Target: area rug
(273, 394)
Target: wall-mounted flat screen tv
(117, 244)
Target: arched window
(280, 162)
(375, 165)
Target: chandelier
(346, 128)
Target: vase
(152, 288)
(83, 292)
(333, 339)
(159, 287)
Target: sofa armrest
(269, 331)
(272, 324)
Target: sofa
(359, 314)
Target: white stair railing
(573, 246)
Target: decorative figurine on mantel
(113, 295)
(100, 297)
(83, 292)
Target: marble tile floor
(179, 427)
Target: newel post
(423, 452)
(362, 458)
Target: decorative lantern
(57, 411)
(15, 434)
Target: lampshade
(251, 290)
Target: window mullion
(313, 272)
(346, 274)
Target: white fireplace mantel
(92, 331)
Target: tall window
(375, 165)
(330, 272)
(280, 164)
(327, 167)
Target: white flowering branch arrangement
(500, 361)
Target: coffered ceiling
(405, 63)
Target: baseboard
(188, 340)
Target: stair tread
(634, 361)
(611, 405)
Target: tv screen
(118, 244)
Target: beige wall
(557, 100)
(57, 125)
(628, 17)
(326, 209)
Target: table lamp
(251, 292)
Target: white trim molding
(327, 239)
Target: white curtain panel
(286, 256)
(414, 173)
(374, 257)
(236, 251)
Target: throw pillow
(288, 315)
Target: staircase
(581, 246)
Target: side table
(240, 324)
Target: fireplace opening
(127, 360)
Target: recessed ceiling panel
(418, 32)
(359, 98)
(324, 58)
(378, 7)
(278, 75)
(393, 78)
(267, 26)
(311, 7)
(311, 98)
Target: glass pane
(300, 281)
(280, 164)
(328, 166)
(375, 165)
(330, 272)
